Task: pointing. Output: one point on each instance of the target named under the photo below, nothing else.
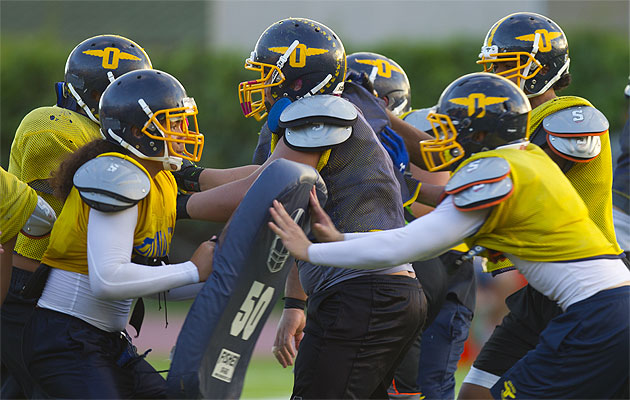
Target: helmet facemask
(251, 94)
(526, 66)
(170, 127)
(443, 151)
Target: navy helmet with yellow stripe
(96, 62)
(534, 47)
(476, 112)
(388, 78)
(295, 57)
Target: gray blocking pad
(250, 265)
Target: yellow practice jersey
(17, 202)
(593, 179)
(45, 137)
(544, 219)
(152, 237)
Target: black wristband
(182, 200)
(291, 302)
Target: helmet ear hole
(296, 85)
(136, 132)
(479, 136)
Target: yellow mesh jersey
(17, 202)
(592, 180)
(44, 138)
(544, 219)
(152, 237)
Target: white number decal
(577, 115)
(251, 311)
(472, 166)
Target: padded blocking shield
(250, 265)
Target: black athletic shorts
(530, 312)
(356, 334)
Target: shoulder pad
(111, 183)
(483, 195)
(318, 122)
(319, 109)
(576, 121)
(418, 119)
(482, 170)
(41, 221)
(578, 149)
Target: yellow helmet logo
(385, 68)
(545, 36)
(111, 56)
(477, 100)
(509, 391)
(298, 57)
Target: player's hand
(322, 226)
(395, 146)
(202, 258)
(288, 336)
(292, 235)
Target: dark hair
(61, 180)
(562, 83)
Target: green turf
(266, 379)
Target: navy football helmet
(534, 44)
(477, 112)
(148, 113)
(388, 78)
(295, 57)
(94, 63)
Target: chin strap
(82, 104)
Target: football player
(359, 324)
(450, 298)
(43, 139)
(621, 189)
(504, 195)
(111, 242)
(532, 51)
(21, 210)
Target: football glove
(395, 146)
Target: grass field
(266, 379)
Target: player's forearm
(430, 194)
(211, 178)
(412, 137)
(293, 286)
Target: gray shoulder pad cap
(582, 148)
(41, 221)
(576, 121)
(483, 170)
(319, 109)
(483, 195)
(317, 136)
(111, 183)
(418, 119)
